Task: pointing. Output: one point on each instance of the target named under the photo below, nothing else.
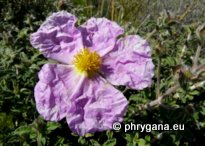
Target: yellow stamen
(87, 62)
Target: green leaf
(50, 126)
(110, 142)
(94, 142)
(142, 142)
(109, 134)
(6, 121)
(22, 130)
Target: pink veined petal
(58, 19)
(130, 64)
(99, 34)
(97, 107)
(56, 85)
(58, 38)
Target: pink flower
(81, 89)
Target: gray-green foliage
(174, 38)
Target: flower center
(87, 62)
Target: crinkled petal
(99, 34)
(97, 107)
(57, 84)
(57, 38)
(130, 64)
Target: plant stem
(112, 9)
(102, 7)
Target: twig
(201, 68)
(173, 89)
(183, 50)
(197, 85)
(187, 11)
(151, 33)
(159, 99)
(196, 58)
(141, 24)
(125, 90)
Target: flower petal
(57, 83)
(130, 64)
(97, 107)
(57, 38)
(100, 34)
